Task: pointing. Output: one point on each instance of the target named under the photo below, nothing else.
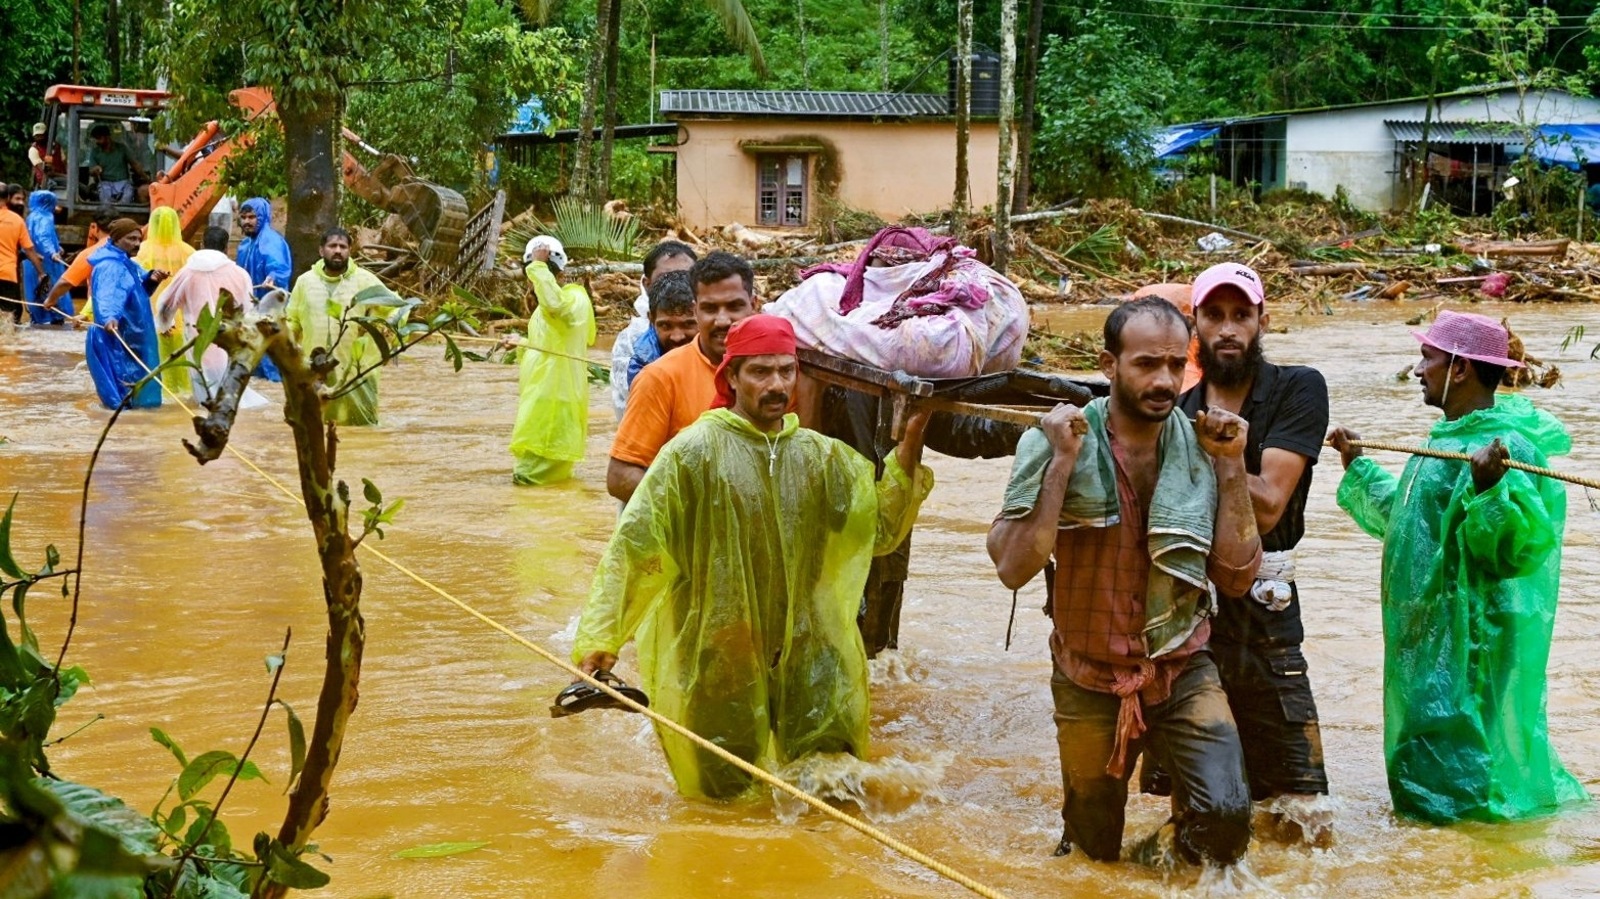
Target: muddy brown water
(194, 573)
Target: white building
(1371, 149)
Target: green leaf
(439, 850)
(378, 295)
(160, 736)
(8, 563)
(297, 744)
(371, 491)
(285, 868)
(209, 766)
(375, 331)
(452, 352)
(175, 820)
(136, 832)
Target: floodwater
(194, 573)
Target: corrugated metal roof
(802, 103)
(1444, 132)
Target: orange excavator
(186, 179)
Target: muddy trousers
(1192, 734)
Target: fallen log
(1552, 249)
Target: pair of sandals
(581, 696)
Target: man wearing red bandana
(739, 564)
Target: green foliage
(440, 850)
(1100, 98)
(586, 230)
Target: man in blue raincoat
(41, 224)
(119, 291)
(1471, 570)
(264, 254)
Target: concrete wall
(1353, 147)
(888, 168)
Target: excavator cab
(73, 116)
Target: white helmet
(558, 253)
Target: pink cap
(1228, 273)
(1470, 336)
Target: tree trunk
(583, 163)
(113, 40)
(883, 44)
(1030, 87)
(608, 132)
(1008, 96)
(310, 132)
(805, 61)
(963, 112)
(327, 507)
(77, 41)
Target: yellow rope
(765, 777)
(1463, 457)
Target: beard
(335, 268)
(1131, 401)
(1231, 373)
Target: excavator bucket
(436, 216)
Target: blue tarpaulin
(1570, 145)
(1174, 140)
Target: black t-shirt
(1287, 409)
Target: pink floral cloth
(938, 313)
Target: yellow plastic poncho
(553, 411)
(1469, 602)
(743, 586)
(163, 249)
(315, 308)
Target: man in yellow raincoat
(553, 411)
(739, 564)
(1471, 570)
(334, 290)
(164, 250)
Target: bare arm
(909, 452)
(1271, 490)
(622, 478)
(1020, 547)
(1235, 543)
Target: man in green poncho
(553, 411)
(740, 562)
(1471, 568)
(320, 313)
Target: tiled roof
(854, 104)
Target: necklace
(772, 454)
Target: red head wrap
(758, 335)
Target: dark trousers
(1269, 693)
(1192, 734)
(11, 299)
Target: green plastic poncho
(1469, 602)
(553, 411)
(164, 250)
(743, 587)
(315, 307)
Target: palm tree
(593, 181)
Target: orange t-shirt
(13, 237)
(668, 395)
(77, 274)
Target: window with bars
(781, 189)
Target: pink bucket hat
(1469, 336)
(1228, 273)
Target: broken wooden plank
(1552, 249)
(1304, 267)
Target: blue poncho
(264, 256)
(42, 228)
(116, 290)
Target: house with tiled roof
(779, 159)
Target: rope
(1463, 457)
(765, 777)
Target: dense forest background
(437, 79)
